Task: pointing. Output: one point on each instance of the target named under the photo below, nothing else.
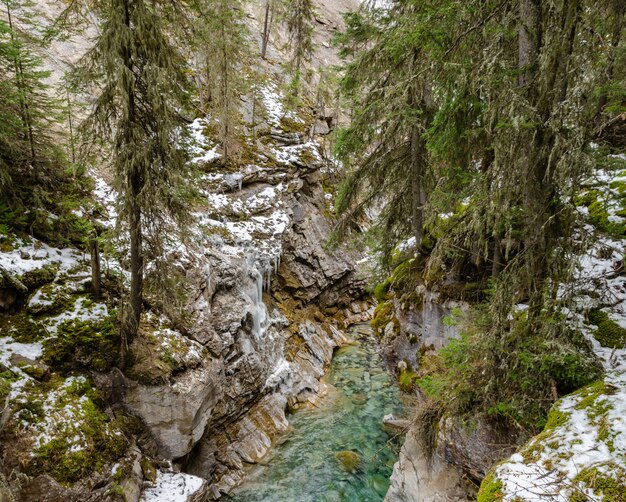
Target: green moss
(92, 344)
(54, 301)
(102, 446)
(611, 488)
(383, 315)
(490, 489)
(22, 327)
(594, 399)
(587, 198)
(556, 418)
(405, 276)
(6, 379)
(149, 470)
(38, 277)
(619, 185)
(348, 460)
(36, 372)
(598, 215)
(609, 333)
(406, 379)
(101, 438)
(380, 290)
(288, 124)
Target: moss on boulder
(348, 460)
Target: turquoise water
(304, 468)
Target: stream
(338, 451)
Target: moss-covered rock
(609, 333)
(93, 344)
(348, 460)
(22, 327)
(383, 315)
(490, 490)
(69, 433)
(40, 276)
(609, 487)
(579, 456)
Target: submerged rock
(349, 461)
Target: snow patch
(172, 487)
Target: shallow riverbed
(338, 451)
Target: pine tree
(504, 141)
(299, 18)
(29, 115)
(37, 110)
(385, 144)
(271, 10)
(223, 41)
(138, 111)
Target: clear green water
(305, 468)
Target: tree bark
(422, 102)
(529, 45)
(266, 29)
(134, 184)
(96, 283)
(529, 40)
(417, 174)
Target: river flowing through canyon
(338, 450)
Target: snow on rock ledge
(175, 487)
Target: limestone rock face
(176, 413)
(420, 328)
(474, 447)
(267, 314)
(416, 478)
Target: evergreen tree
(138, 110)
(29, 112)
(384, 146)
(503, 139)
(299, 18)
(223, 40)
(271, 10)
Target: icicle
(240, 183)
(259, 286)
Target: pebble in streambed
(338, 451)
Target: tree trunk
(225, 120)
(72, 144)
(529, 40)
(529, 44)
(266, 29)
(133, 187)
(419, 156)
(417, 173)
(496, 265)
(136, 264)
(96, 284)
